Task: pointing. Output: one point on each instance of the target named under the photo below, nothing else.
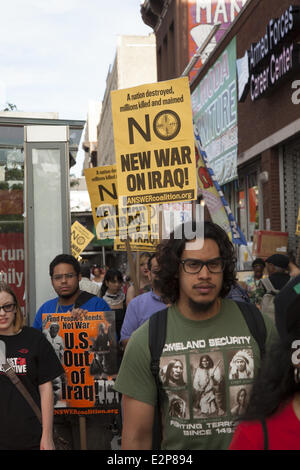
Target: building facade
(90, 143)
(247, 87)
(134, 64)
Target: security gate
(291, 190)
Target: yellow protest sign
(102, 188)
(80, 238)
(138, 223)
(143, 229)
(298, 224)
(154, 142)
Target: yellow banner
(101, 183)
(298, 224)
(138, 223)
(154, 142)
(80, 238)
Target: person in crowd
(272, 418)
(253, 285)
(65, 276)
(143, 279)
(195, 275)
(111, 289)
(85, 282)
(98, 275)
(36, 365)
(140, 308)
(277, 267)
(113, 294)
(238, 293)
(293, 267)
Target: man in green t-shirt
(209, 354)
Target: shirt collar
(155, 296)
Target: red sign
(12, 263)
(202, 16)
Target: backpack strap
(267, 284)
(83, 298)
(157, 337)
(255, 323)
(265, 432)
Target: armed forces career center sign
(154, 143)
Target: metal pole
(103, 256)
(82, 430)
(200, 50)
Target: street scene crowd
(152, 303)
(226, 375)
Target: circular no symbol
(166, 124)
(80, 240)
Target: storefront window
(253, 204)
(248, 208)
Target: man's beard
(68, 296)
(198, 307)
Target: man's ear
(79, 277)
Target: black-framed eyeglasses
(59, 277)
(7, 307)
(194, 266)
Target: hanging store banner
(203, 15)
(215, 201)
(80, 238)
(87, 350)
(154, 143)
(214, 104)
(138, 223)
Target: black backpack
(157, 335)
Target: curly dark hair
(169, 253)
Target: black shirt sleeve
(49, 366)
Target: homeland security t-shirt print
(210, 386)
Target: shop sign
(203, 15)
(214, 103)
(270, 59)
